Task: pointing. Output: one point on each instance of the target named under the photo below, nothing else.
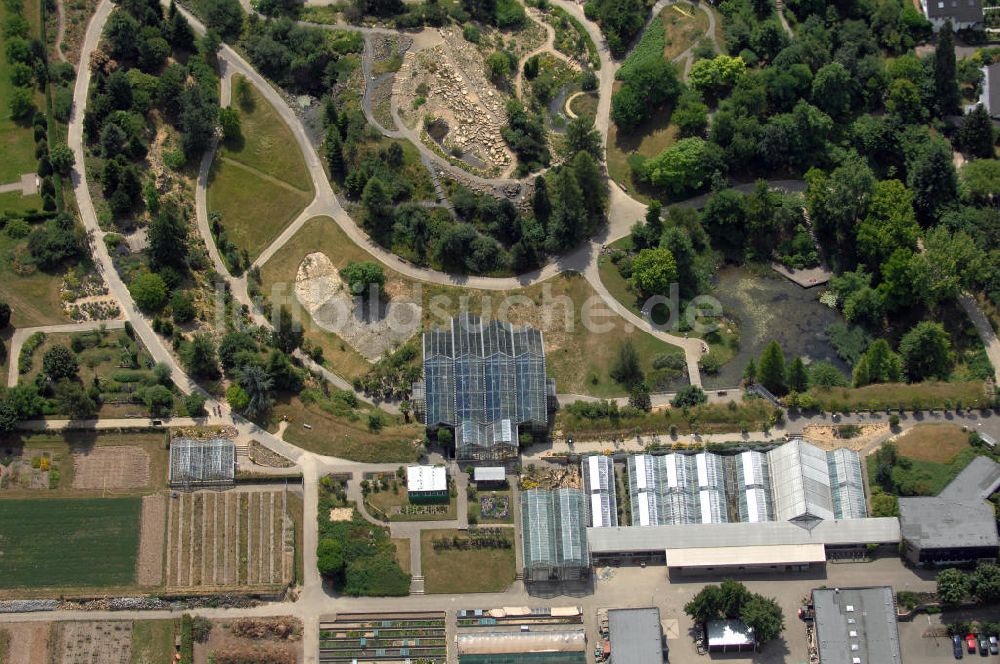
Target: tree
(4, 315)
(771, 369)
(194, 404)
(498, 68)
(985, 582)
(158, 399)
(764, 616)
(229, 119)
(626, 369)
(653, 272)
(540, 203)
(684, 166)
(378, 205)
(952, 586)
(168, 238)
(330, 558)
(364, 278)
(690, 115)
(798, 376)
(890, 224)
(706, 605)
(287, 334)
(62, 158)
(256, 384)
(74, 401)
(21, 105)
(926, 351)
(199, 356)
(689, 395)
(931, 177)
(831, 90)
(946, 91)
(59, 362)
(223, 16)
(237, 398)
(714, 77)
(149, 291)
(182, 307)
(976, 136)
(582, 137)
(334, 152)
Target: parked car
(970, 643)
(994, 646)
(984, 645)
(956, 646)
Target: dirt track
(149, 566)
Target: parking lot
(923, 639)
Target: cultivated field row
(229, 538)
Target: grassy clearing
(103, 535)
(60, 447)
(648, 139)
(152, 641)
(387, 500)
(683, 26)
(751, 415)
(918, 396)
(464, 571)
(17, 142)
(14, 201)
(402, 545)
(343, 437)
(919, 477)
(585, 104)
(259, 182)
(937, 443)
(33, 295)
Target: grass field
(402, 545)
(13, 201)
(938, 443)
(464, 571)
(17, 142)
(259, 182)
(930, 394)
(69, 543)
(346, 438)
(585, 104)
(152, 641)
(648, 139)
(100, 358)
(33, 295)
(920, 477)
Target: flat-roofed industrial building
(856, 626)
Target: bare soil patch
(268, 641)
(29, 643)
(124, 467)
(825, 437)
(932, 442)
(149, 566)
(89, 642)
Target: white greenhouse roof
(426, 478)
(489, 474)
(194, 462)
(599, 483)
(800, 482)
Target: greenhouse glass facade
(195, 463)
(598, 474)
(554, 534)
(484, 380)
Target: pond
(772, 308)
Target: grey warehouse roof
(856, 624)
(713, 535)
(964, 11)
(636, 636)
(957, 517)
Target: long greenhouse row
(794, 482)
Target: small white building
(489, 476)
(962, 13)
(426, 483)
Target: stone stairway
(417, 585)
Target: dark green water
(772, 308)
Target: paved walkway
(985, 330)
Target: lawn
(346, 436)
(60, 445)
(33, 295)
(465, 570)
(918, 396)
(402, 545)
(919, 477)
(69, 543)
(578, 359)
(683, 25)
(14, 202)
(648, 139)
(939, 443)
(386, 500)
(258, 182)
(152, 641)
(17, 141)
(585, 104)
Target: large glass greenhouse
(484, 380)
(554, 535)
(599, 484)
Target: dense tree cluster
(620, 21)
(732, 600)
